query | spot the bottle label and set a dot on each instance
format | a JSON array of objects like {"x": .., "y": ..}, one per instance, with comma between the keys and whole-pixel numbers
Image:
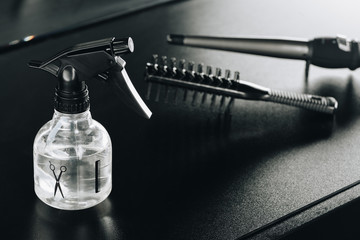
[
  {"x": 72, "y": 182},
  {"x": 57, "y": 178},
  {"x": 97, "y": 176}
]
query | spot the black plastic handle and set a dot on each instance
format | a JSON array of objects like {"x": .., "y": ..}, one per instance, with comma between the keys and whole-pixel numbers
[{"x": 335, "y": 52}]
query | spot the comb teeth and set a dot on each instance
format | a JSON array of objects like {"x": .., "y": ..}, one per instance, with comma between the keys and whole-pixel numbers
[
  {"x": 186, "y": 72},
  {"x": 199, "y": 87}
]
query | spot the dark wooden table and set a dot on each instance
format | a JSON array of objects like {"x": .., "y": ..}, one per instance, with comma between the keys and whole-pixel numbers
[{"x": 179, "y": 175}]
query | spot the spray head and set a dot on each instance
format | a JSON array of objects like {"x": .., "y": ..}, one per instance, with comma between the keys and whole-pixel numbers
[{"x": 92, "y": 60}]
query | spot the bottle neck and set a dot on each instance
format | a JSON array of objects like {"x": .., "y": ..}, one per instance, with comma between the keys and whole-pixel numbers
[
  {"x": 72, "y": 116},
  {"x": 72, "y": 121}
]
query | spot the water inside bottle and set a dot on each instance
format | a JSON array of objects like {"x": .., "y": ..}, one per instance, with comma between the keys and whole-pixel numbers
[{"x": 74, "y": 183}]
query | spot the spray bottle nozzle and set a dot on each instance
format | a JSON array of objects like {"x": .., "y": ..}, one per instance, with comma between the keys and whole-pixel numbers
[
  {"x": 122, "y": 46},
  {"x": 97, "y": 59}
]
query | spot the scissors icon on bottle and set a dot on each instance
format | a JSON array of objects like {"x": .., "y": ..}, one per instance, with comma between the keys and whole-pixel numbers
[{"x": 57, "y": 178}]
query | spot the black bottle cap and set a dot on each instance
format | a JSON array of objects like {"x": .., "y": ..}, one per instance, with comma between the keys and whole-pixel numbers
[{"x": 71, "y": 93}]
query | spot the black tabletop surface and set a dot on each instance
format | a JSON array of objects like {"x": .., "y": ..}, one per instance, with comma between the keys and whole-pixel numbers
[{"x": 185, "y": 173}]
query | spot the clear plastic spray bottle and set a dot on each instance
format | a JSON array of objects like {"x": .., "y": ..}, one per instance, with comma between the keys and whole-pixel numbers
[{"x": 73, "y": 152}]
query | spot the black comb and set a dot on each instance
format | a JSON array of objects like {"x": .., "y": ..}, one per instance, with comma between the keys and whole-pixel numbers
[{"x": 218, "y": 85}]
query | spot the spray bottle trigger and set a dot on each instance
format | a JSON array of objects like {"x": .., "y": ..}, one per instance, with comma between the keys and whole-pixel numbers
[
  {"x": 100, "y": 60},
  {"x": 119, "y": 78}
]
